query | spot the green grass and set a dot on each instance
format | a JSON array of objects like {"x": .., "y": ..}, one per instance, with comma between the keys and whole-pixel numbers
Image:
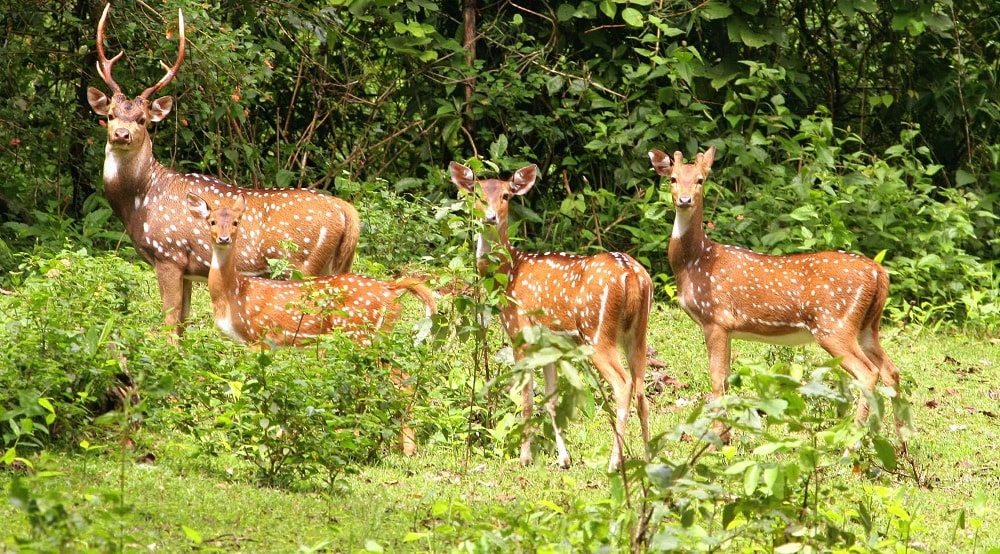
[{"x": 450, "y": 492}]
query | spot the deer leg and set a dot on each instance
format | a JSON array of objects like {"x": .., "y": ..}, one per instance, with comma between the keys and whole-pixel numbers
[
  {"x": 186, "y": 300},
  {"x": 873, "y": 350},
  {"x": 527, "y": 408},
  {"x": 170, "y": 279},
  {"x": 856, "y": 362},
  {"x": 407, "y": 437},
  {"x": 719, "y": 346},
  {"x": 637, "y": 367},
  {"x": 551, "y": 403},
  {"x": 610, "y": 367},
  {"x": 888, "y": 372}
]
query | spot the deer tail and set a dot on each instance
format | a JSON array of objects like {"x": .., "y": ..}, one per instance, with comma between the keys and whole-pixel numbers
[
  {"x": 421, "y": 291},
  {"x": 874, "y": 314},
  {"x": 638, "y": 300},
  {"x": 348, "y": 244}
]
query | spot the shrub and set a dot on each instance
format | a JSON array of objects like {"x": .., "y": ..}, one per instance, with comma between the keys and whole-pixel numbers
[
  {"x": 70, "y": 327},
  {"x": 309, "y": 415}
]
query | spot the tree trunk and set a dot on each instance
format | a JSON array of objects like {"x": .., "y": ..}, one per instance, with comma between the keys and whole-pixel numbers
[{"x": 470, "y": 58}]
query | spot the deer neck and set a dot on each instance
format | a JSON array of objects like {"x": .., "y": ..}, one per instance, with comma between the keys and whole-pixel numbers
[
  {"x": 224, "y": 286},
  {"x": 129, "y": 175},
  {"x": 688, "y": 241}
]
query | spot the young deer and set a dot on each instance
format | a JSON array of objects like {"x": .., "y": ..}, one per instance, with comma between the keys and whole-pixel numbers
[
  {"x": 150, "y": 200},
  {"x": 832, "y": 298},
  {"x": 602, "y": 300},
  {"x": 289, "y": 313}
]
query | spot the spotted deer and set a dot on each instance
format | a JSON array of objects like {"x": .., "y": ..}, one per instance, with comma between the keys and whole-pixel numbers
[
  {"x": 272, "y": 312},
  {"x": 601, "y": 300},
  {"x": 150, "y": 200},
  {"x": 832, "y": 298}
]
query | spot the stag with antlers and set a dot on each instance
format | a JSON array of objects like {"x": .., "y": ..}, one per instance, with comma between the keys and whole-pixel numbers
[{"x": 151, "y": 201}]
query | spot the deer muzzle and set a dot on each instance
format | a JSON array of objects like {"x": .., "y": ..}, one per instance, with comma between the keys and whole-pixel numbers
[{"x": 121, "y": 136}]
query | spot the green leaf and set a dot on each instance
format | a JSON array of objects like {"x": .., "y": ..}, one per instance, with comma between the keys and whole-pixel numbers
[
  {"x": 804, "y": 213},
  {"x": 660, "y": 475},
  {"x": 886, "y": 452},
  {"x": 963, "y": 178},
  {"x": 750, "y": 479},
  {"x": 608, "y": 8},
  {"x": 283, "y": 178},
  {"x": 774, "y": 407},
  {"x": 715, "y": 10},
  {"x": 632, "y": 17},
  {"x": 739, "y": 467},
  {"x": 45, "y": 403},
  {"x": 555, "y": 84},
  {"x": 772, "y": 474},
  {"x": 413, "y": 536},
  {"x": 543, "y": 356},
  {"x": 499, "y": 147},
  {"x": 551, "y": 506},
  {"x": 195, "y": 536}
]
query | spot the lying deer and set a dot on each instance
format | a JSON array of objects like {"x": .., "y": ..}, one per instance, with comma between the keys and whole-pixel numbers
[
  {"x": 832, "y": 298},
  {"x": 289, "y": 313},
  {"x": 601, "y": 300},
  {"x": 150, "y": 199}
]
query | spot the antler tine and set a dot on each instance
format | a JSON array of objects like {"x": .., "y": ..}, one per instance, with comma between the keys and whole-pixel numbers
[
  {"x": 171, "y": 71},
  {"x": 104, "y": 65},
  {"x": 678, "y": 158}
]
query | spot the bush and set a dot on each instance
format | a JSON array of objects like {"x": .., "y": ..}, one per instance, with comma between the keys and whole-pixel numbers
[
  {"x": 304, "y": 417},
  {"x": 70, "y": 328}
]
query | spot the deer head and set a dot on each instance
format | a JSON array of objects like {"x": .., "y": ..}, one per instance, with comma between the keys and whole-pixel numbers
[
  {"x": 493, "y": 202},
  {"x": 129, "y": 120}
]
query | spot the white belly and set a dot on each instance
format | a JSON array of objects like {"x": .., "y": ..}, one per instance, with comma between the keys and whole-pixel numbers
[{"x": 797, "y": 338}]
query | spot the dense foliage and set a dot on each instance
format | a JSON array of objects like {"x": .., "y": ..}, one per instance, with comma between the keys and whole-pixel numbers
[{"x": 861, "y": 124}]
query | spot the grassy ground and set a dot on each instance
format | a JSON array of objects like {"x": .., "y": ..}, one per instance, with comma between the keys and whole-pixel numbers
[{"x": 182, "y": 500}]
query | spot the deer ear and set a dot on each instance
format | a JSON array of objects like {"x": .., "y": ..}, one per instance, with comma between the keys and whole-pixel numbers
[
  {"x": 523, "y": 179},
  {"x": 198, "y": 206},
  {"x": 661, "y": 161},
  {"x": 99, "y": 101},
  {"x": 708, "y": 158},
  {"x": 240, "y": 205},
  {"x": 463, "y": 177},
  {"x": 161, "y": 107}
]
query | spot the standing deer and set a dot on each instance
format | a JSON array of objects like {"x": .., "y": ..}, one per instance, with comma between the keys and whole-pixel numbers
[
  {"x": 601, "y": 300},
  {"x": 150, "y": 200},
  {"x": 289, "y": 313},
  {"x": 832, "y": 298}
]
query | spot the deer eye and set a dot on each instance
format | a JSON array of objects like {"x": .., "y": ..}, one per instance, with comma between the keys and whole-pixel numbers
[
  {"x": 505, "y": 196},
  {"x": 212, "y": 223},
  {"x": 701, "y": 180},
  {"x": 236, "y": 224},
  {"x": 142, "y": 121},
  {"x": 673, "y": 180}
]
